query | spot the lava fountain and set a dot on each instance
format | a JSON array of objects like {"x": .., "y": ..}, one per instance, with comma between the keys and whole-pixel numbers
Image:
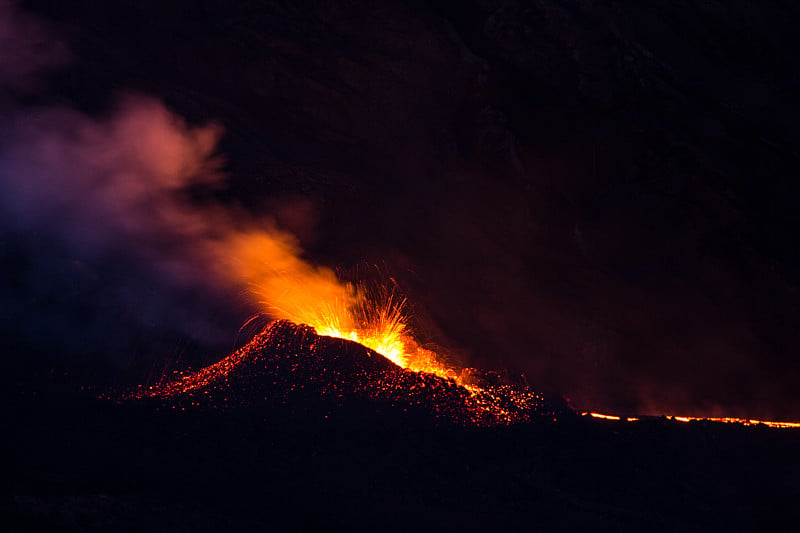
[
  {"x": 290, "y": 288},
  {"x": 341, "y": 341}
]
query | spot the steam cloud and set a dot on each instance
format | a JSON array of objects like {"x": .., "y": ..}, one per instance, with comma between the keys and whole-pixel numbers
[{"x": 98, "y": 218}]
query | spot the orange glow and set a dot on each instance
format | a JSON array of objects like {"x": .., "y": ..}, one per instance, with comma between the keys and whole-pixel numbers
[
  {"x": 743, "y": 421},
  {"x": 604, "y": 417},
  {"x": 725, "y": 420},
  {"x": 289, "y": 288}
]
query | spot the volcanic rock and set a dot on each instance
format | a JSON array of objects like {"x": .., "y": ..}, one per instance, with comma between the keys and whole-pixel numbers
[{"x": 291, "y": 365}]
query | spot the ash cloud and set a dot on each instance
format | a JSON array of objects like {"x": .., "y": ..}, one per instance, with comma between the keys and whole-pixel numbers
[
  {"x": 102, "y": 200},
  {"x": 106, "y": 250}
]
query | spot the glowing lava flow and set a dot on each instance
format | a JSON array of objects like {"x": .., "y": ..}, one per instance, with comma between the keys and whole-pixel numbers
[{"x": 725, "y": 420}]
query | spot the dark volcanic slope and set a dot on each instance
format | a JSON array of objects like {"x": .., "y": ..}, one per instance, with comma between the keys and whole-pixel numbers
[{"x": 291, "y": 365}]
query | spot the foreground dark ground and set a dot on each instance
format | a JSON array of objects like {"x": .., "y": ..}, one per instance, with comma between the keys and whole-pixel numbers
[{"x": 89, "y": 465}]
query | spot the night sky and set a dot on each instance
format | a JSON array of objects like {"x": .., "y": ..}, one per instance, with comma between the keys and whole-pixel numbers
[{"x": 601, "y": 196}]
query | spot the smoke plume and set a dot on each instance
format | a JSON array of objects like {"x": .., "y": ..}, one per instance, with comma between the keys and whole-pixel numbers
[{"x": 104, "y": 240}]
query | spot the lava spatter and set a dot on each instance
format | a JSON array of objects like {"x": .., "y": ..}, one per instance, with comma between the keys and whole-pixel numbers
[{"x": 289, "y": 364}]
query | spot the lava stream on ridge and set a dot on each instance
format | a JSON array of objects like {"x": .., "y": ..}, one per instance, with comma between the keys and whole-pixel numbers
[{"x": 289, "y": 364}]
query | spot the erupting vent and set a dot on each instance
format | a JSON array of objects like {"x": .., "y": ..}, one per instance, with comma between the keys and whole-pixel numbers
[{"x": 291, "y": 364}]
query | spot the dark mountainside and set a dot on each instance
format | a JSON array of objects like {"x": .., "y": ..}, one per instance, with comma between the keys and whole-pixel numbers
[{"x": 599, "y": 195}]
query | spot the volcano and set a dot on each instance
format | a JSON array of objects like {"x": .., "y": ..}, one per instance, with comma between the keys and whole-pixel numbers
[{"x": 291, "y": 365}]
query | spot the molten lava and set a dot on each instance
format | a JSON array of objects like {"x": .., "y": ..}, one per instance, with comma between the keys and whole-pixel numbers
[
  {"x": 291, "y": 289},
  {"x": 725, "y": 420}
]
